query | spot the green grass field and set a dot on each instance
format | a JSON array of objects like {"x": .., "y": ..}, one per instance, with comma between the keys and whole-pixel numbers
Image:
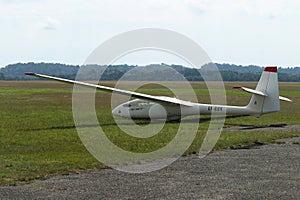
[{"x": 38, "y": 138}]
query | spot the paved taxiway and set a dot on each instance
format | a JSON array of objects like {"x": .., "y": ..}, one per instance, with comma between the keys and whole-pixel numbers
[{"x": 261, "y": 172}]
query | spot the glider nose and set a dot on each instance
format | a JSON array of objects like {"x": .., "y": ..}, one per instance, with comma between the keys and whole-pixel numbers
[
  {"x": 117, "y": 111},
  {"x": 114, "y": 111}
]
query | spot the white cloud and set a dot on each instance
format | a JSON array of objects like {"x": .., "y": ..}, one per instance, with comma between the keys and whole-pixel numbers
[
  {"x": 48, "y": 24},
  {"x": 256, "y": 7},
  {"x": 225, "y": 27}
]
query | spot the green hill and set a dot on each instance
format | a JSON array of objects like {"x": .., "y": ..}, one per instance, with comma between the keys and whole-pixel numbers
[{"x": 154, "y": 72}]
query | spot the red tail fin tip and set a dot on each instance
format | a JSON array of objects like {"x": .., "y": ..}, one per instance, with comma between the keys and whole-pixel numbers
[{"x": 271, "y": 69}]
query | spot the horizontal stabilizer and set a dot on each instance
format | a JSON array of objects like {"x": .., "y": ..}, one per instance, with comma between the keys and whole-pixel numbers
[
  {"x": 260, "y": 93},
  {"x": 285, "y": 99},
  {"x": 251, "y": 91}
]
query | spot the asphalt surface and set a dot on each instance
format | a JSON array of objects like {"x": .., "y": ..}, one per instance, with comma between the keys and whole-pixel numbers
[{"x": 260, "y": 172}]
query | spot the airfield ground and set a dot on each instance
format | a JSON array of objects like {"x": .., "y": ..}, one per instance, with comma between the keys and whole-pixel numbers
[
  {"x": 38, "y": 139},
  {"x": 260, "y": 172}
]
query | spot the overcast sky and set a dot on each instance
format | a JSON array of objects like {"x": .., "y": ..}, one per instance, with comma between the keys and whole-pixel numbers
[{"x": 263, "y": 32}]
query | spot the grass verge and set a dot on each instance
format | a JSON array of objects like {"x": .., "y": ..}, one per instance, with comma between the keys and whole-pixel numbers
[{"x": 38, "y": 138}]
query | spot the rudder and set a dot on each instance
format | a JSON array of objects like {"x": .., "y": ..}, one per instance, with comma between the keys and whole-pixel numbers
[{"x": 267, "y": 84}]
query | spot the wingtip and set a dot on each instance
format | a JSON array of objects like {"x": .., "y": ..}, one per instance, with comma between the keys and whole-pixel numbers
[
  {"x": 29, "y": 73},
  {"x": 237, "y": 87}
]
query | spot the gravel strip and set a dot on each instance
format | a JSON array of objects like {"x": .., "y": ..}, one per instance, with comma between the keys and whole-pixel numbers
[{"x": 261, "y": 172}]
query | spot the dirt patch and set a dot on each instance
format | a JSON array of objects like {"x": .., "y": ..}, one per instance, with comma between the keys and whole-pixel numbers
[
  {"x": 294, "y": 140},
  {"x": 272, "y": 127}
]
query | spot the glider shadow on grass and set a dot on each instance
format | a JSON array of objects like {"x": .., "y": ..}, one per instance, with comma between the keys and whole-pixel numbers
[{"x": 138, "y": 122}]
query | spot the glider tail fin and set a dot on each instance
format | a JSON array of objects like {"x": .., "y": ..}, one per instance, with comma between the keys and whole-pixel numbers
[{"x": 267, "y": 100}]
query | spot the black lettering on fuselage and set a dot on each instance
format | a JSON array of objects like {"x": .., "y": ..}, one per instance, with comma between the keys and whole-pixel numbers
[{"x": 218, "y": 108}]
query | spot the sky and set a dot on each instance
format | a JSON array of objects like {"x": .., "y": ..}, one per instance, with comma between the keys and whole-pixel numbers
[{"x": 260, "y": 32}]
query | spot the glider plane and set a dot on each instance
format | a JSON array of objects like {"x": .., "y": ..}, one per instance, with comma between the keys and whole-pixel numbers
[{"x": 265, "y": 99}]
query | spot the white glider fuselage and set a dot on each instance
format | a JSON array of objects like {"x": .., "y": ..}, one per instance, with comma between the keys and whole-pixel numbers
[
  {"x": 265, "y": 99},
  {"x": 135, "y": 110}
]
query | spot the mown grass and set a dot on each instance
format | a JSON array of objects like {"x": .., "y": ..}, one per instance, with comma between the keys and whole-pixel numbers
[{"x": 38, "y": 138}]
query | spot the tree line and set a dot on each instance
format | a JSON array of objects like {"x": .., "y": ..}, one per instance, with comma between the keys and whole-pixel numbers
[{"x": 153, "y": 72}]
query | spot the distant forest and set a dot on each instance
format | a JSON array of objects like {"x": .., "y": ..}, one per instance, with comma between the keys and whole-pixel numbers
[{"x": 154, "y": 72}]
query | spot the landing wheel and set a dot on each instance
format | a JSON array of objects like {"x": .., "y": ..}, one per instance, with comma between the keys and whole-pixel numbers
[{"x": 174, "y": 120}]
